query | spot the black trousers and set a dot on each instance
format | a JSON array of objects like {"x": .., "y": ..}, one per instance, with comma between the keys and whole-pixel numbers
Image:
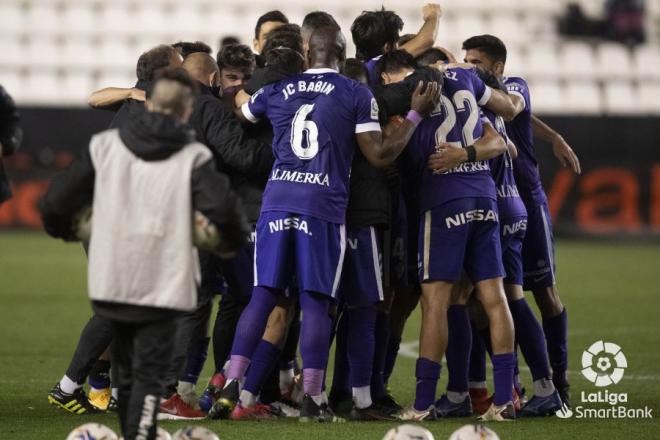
[
  {"x": 192, "y": 325},
  {"x": 95, "y": 338},
  {"x": 142, "y": 352},
  {"x": 224, "y": 329}
]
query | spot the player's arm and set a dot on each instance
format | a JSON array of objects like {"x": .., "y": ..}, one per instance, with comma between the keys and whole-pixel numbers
[
  {"x": 449, "y": 156},
  {"x": 505, "y": 105},
  {"x": 212, "y": 196},
  {"x": 69, "y": 192},
  {"x": 428, "y": 32},
  {"x": 226, "y": 137},
  {"x": 111, "y": 97},
  {"x": 513, "y": 151},
  {"x": 562, "y": 151},
  {"x": 381, "y": 152}
]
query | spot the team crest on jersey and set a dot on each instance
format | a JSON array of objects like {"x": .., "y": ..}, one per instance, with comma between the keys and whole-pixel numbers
[{"x": 374, "y": 109}]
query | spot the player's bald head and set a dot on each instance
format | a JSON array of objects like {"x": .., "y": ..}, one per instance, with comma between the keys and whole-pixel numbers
[
  {"x": 201, "y": 67},
  {"x": 327, "y": 46}
]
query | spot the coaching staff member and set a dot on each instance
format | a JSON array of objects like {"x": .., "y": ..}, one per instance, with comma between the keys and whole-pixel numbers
[
  {"x": 10, "y": 138},
  {"x": 144, "y": 180}
]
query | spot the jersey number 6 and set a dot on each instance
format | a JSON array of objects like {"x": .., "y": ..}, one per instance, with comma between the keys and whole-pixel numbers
[{"x": 303, "y": 130}]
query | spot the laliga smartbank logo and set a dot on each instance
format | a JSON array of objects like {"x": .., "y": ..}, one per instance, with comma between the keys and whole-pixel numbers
[{"x": 604, "y": 365}]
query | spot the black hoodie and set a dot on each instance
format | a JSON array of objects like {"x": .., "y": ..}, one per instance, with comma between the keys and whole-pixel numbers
[{"x": 151, "y": 137}]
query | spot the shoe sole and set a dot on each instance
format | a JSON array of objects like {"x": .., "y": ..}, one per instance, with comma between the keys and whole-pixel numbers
[
  {"x": 72, "y": 407},
  {"x": 167, "y": 416}
]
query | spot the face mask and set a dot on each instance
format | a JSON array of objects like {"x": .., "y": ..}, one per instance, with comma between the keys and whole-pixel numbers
[{"x": 231, "y": 91}]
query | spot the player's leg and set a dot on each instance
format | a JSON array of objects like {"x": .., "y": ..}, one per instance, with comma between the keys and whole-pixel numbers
[
  {"x": 270, "y": 281},
  {"x": 100, "y": 394},
  {"x": 456, "y": 402},
  {"x": 95, "y": 338},
  {"x": 483, "y": 264},
  {"x": 289, "y": 383},
  {"x": 263, "y": 363},
  {"x": 152, "y": 351},
  {"x": 539, "y": 277},
  {"x": 477, "y": 370},
  {"x": 404, "y": 302},
  {"x": 340, "y": 398},
  {"x": 121, "y": 356}
]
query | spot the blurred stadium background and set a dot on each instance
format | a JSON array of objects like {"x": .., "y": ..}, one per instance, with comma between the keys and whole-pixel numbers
[{"x": 593, "y": 67}]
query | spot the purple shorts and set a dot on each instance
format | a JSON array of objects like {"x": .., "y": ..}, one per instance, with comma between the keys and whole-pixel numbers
[
  {"x": 538, "y": 252},
  {"x": 512, "y": 235},
  {"x": 238, "y": 272},
  {"x": 289, "y": 244},
  {"x": 361, "y": 283},
  {"x": 460, "y": 235}
]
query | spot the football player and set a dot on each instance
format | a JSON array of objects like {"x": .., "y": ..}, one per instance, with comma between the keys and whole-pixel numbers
[{"x": 489, "y": 53}]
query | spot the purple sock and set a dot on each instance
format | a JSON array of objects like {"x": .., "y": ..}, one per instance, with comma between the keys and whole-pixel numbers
[
  {"x": 361, "y": 324},
  {"x": 250, "y": 329},
  {"x": 458, "y": 348},
  {"x": 340, "y": 385},
  {"x": 529, "y": 335},
  {"x": 314, "y": 339},
  {"x": 503, "y": 365},
  {"x": 556, "y": 336},
  {"x": 381, "y": 335},
  {"x": 263, "y": 361},
  {"x": 427, "y": 373},
  {"x": 393, "y": 344},
  {"x": 197, "y": 354},
  {"x": 477, "y": 371},
  {"x": 313, "y": 381}
]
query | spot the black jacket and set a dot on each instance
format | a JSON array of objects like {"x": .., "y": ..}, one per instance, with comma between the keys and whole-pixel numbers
[
  {"x": 130, "y": 108},
  {"x": 151, "y": 137},
  {"x": 10, "y": 138},
  {"x": 217, "y": 127}
]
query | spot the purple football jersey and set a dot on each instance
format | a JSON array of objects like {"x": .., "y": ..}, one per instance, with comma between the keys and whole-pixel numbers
[
  {"x": 457, "y": 121},
  {"x": 315, "y": 117},
  {"x": 509, "y": 203},
  {"x": 520, "y": 132}
]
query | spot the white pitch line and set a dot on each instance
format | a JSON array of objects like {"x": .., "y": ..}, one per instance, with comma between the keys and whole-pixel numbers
[{"x": 409, "y": 349}]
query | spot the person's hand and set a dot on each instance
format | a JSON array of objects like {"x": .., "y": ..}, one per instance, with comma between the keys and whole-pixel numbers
[
  {"x": 446, "y": 157},
  {"x": 565, "y": 154},
  {"x": 138, "y": 95},
  {"x": 424, "y": 102},
  {"x": 241, "y": 98},
  {"x": 431, "y": 10}
]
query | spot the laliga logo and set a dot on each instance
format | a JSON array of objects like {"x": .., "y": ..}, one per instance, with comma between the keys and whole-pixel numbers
[{"x": 603, "y": 364}]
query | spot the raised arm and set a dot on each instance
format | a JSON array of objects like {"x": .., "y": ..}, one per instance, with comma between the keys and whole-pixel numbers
[
  {"x": 562, "y": 151},
  {"x": 505, "y": 105},
  {"x": 110, "y": 97},
  {"x": 449, "y": 156},
  {"x": 426, "y": 36},
  {"x": 381, "y": 152}
]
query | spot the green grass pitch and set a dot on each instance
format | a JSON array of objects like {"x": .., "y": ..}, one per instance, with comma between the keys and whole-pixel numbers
[{"x": 611, "y": 292}]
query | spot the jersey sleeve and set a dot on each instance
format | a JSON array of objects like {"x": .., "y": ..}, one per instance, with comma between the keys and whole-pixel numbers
[
  {"x": 366, "y": 110},
  {"x": 481, "y": 91},
  {"x": 518, "y": 87},
  {"x": 256, "y": 107}
]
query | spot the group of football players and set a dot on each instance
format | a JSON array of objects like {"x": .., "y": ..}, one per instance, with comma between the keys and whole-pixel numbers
[{"x": 374, "y": 183}]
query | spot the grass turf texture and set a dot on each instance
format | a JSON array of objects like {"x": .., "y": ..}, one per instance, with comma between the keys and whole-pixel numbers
[{"x": 610, "y": 291}]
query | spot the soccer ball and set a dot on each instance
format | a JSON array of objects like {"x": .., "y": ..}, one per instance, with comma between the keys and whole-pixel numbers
[
  {"x": 474, "y": 432},
  {"x": 92, "y": 431},
  {"x": 408, "y": 432},
  {"x": 195, "y": 433},
  {"x": 82, "y": 224},
  {"x": 205, "y": 234}
]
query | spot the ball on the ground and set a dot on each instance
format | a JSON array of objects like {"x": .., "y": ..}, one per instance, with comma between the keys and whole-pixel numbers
[
  {"x": 408, "y": 432},
  {"x": 474, "y": 432},
  {"x": 195, "y": 433},
  {"x": 205, "y": 234},
  {"x": 92, "y": 431}
]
